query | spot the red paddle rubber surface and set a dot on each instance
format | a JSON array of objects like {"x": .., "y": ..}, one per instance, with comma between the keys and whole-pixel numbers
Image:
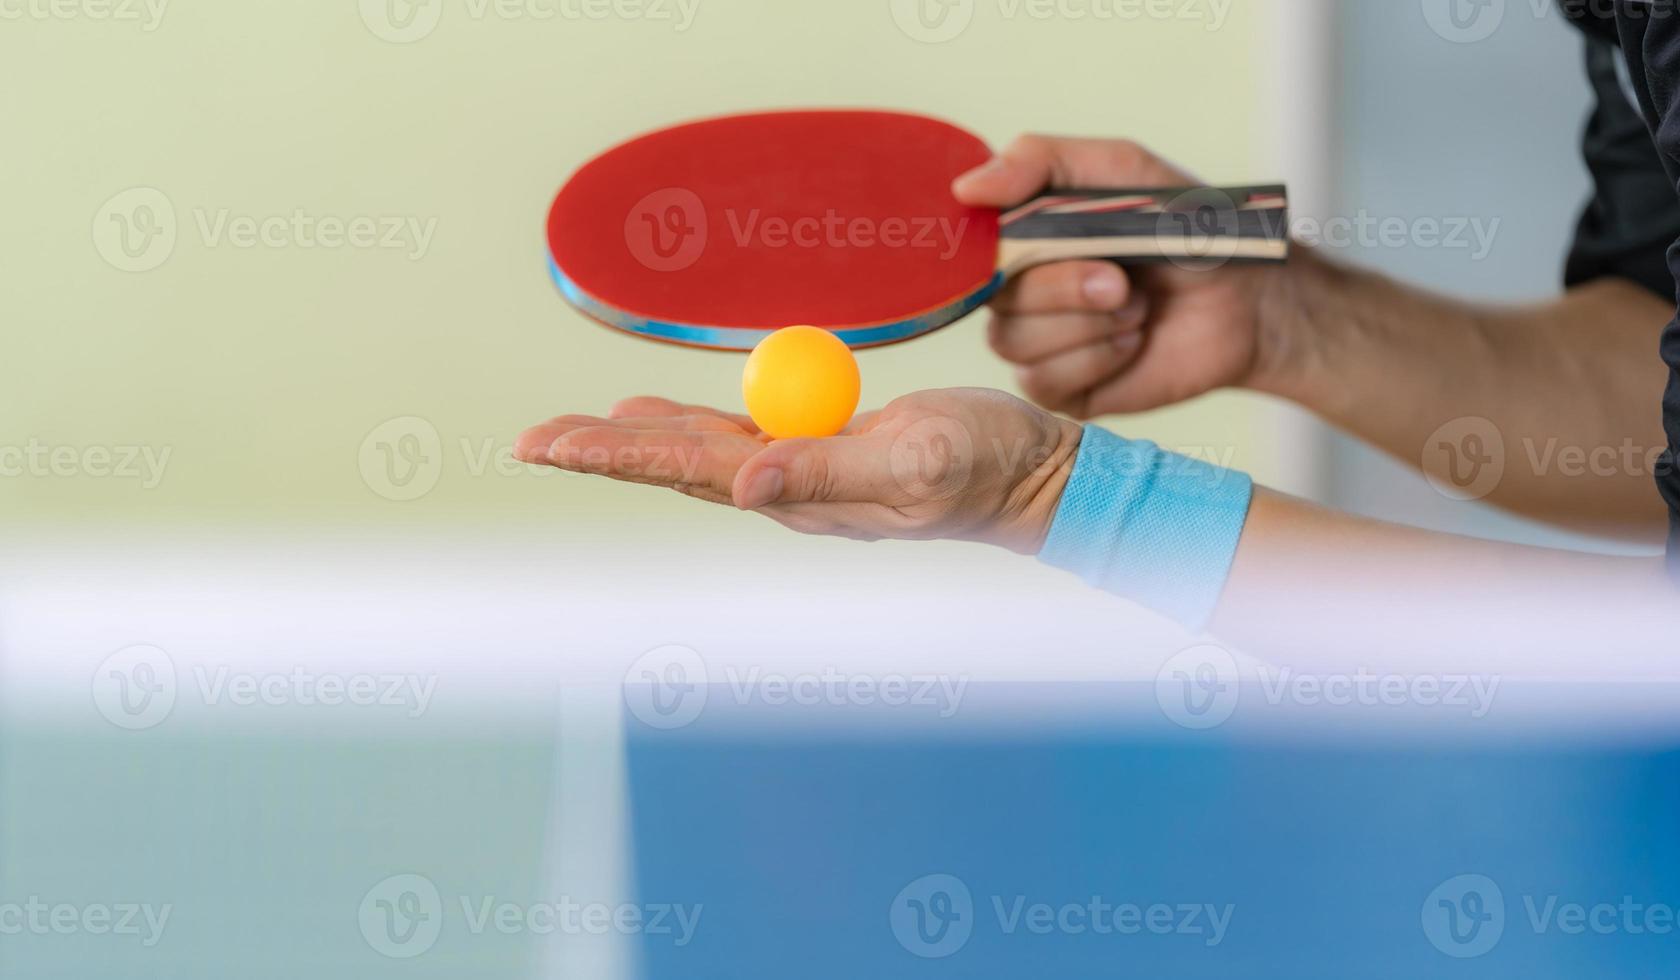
[{"x": 835, "y": 218}]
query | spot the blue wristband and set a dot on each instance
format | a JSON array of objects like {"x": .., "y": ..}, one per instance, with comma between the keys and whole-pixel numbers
[{"x": 1152, "y": 526}]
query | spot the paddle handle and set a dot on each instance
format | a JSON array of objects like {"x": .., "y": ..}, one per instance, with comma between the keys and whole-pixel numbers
[{"x": 1196, "y": 226}]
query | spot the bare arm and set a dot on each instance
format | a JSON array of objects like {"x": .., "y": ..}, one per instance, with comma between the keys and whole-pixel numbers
[
  {"x": 1569, "y": 390},
  {"x": 1307, "y": 581}
]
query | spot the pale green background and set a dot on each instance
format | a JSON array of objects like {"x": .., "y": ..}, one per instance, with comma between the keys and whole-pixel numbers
[{"x": 263, "y": 370}]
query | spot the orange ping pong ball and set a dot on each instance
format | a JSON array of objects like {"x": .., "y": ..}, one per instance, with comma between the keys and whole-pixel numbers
[{"x": 801, "y": 383}]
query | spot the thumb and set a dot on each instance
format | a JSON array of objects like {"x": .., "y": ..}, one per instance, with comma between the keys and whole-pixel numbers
[
  {"x": 845, "y": 469},
  {"x": 1034, "y": 162}
]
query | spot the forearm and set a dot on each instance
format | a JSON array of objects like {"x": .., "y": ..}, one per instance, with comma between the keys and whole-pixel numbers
[
  {"x": 1307, "y": 582},
  {"x": 1569, "y": 389},
  {"x": 1294, "y": 583}
]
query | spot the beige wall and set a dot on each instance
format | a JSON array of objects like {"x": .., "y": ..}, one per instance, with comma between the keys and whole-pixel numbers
[{"x": 262, "y": 370}]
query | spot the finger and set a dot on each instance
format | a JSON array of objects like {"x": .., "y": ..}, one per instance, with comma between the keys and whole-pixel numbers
[
  {"x": 862, "y": 423},
  {"x": 534, "y": 444},
  {"x": 694, "y": 423},
  {"x": 694, "y": 462},
  {"x": 697, "y": 463},
  {"x": 1156, "y": 379},
  {"x": 1066, "y": 287},
  {"x": 1026, "y": 340},
  {"x": 1064, "y": 383},
  {"x": 682, "y": 423},
  {"x": 843, "y": 469},
  {"x": 648, "y": 407},
  {"x": 1033, "y": 162},
  {"x": 707, "y": 494}
]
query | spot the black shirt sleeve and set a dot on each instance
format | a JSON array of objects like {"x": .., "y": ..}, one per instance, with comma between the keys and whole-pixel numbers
[
  {"x": 1634, "y": 214},
  {"x": 1650, "y": 40}
]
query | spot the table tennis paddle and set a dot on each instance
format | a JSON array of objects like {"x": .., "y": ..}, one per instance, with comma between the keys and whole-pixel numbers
[{"x": 717, "y": 233}]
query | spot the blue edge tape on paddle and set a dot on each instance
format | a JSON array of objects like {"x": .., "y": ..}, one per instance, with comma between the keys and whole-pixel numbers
[
  {"x": 739, "y": 338},
  {"x": 1151, "y": 526}
]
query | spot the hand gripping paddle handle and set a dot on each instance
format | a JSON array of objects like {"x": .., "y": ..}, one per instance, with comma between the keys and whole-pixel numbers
[{"x": 1199, "y": 227}]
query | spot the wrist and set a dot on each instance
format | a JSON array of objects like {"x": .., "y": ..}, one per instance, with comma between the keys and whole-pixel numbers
[
  {"x": 1027, "y": 528},
  {"x": 1290, "y": 344},
  {"x": 1149, "y": 525}
]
